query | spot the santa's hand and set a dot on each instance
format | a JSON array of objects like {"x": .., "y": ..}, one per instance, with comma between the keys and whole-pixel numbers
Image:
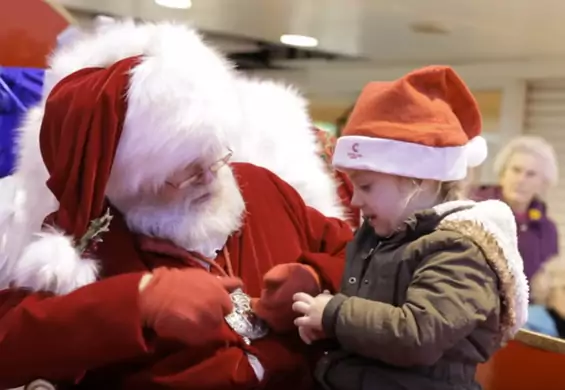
[
  {"x": 188, "y": 305},
  {"x": 312, "y": 309},
  {"x": 280, "y": 284}
]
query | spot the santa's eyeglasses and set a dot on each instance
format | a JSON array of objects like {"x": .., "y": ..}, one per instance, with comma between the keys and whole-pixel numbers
[{"x": 199, "y": 176}]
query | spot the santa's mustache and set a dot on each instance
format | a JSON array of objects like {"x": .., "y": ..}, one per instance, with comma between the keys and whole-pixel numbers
[{"x": 203, "y": 195}]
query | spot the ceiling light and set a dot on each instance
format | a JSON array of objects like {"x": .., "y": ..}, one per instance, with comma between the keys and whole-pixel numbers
[
  {"x": 299, "y": 40},
  {"x": 177, "y": 4}
]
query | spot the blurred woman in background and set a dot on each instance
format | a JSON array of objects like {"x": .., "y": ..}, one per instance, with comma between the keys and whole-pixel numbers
[
  {"x": 527, "y": 168},
  {"x": 547, "y": 313}
]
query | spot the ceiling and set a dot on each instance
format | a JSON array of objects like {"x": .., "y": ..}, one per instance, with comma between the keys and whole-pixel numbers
[{"x": 478, "y": 30}]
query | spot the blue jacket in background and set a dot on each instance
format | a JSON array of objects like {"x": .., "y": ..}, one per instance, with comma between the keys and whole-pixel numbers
[
  {"x": 539, "y": 320},
  {"x": 20, "y": 89}
]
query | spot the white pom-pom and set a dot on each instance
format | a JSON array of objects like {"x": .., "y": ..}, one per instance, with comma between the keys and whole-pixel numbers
[
  {"x": 51, "y": 263},
  {"x": 477, "y": 151}
]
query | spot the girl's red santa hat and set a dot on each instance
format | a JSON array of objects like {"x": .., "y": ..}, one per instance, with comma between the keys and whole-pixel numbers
[{"x": 425, "y": 125}]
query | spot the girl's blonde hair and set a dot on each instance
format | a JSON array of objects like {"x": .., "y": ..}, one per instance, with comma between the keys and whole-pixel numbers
[
  {"x": 451, "y": 190},
  {"x": 444, "y": 192},
  {"x": 550, "y": 276}
]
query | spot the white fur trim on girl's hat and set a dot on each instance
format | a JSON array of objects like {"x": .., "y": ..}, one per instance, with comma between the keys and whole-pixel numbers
[
  {"x": 477, "y": 151},
  {"x": 409, "y": 159},
  {"x": 401, "y": 158}
]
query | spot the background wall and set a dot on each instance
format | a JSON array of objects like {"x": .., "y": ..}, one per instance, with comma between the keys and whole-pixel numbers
[{"x": 544, "y": 115}]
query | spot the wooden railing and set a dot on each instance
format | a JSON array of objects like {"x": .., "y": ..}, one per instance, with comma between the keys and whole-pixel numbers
[{"x": 530, "y": 361}]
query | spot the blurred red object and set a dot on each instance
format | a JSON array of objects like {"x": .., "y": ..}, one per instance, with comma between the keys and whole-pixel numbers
[
  {"x": 532, "y": 361},
  {"x": 29, "y": 30}
]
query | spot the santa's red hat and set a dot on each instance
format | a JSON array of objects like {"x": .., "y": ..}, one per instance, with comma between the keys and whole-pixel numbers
[
  {"x": 425, "y": 125},
  {"x": 132, "y": 104}
]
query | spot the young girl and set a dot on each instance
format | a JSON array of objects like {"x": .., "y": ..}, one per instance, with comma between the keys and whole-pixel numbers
[{"x": 433, "y": 285}]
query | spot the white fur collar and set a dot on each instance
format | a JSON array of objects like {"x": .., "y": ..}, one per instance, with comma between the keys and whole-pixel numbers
[{"x": 496, "y": 219}]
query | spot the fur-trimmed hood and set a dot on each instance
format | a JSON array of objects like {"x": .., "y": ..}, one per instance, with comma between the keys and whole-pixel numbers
[{"x": 491, "y": 226}]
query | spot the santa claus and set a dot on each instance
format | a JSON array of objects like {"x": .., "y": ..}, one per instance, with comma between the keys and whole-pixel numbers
[
  {"x": 270, "y": 128},
  {"x": 163, "y": 265}
]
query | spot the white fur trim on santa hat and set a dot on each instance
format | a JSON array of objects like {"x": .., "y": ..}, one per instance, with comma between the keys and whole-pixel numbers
[
  {"x": 100, "y": 48},
  {"x": 277, "y": 134},
  {"x": 51, "y": 263},
  {"x": 402, "y": 158},
  {"x": 26, "y": 200}
]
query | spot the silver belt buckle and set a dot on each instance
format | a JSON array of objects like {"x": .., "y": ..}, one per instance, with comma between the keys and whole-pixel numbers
[{"x": 242, "y": 319}]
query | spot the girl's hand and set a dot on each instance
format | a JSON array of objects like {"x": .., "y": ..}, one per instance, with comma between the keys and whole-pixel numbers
[
  {"x": 309, "y": 335},
  {"x": 312, "y": 310}
]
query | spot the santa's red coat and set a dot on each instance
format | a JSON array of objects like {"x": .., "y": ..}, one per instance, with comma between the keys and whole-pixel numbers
[{"x": 93, "y": 337}]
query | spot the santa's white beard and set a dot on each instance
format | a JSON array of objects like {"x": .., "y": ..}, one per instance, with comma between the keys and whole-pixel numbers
[{"x": 200, "y": 227}]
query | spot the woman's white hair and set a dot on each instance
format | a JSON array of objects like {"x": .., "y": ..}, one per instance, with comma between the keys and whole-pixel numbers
[
  {"x": 536, "y": 146},
  {"x": 550, "y": 276}
]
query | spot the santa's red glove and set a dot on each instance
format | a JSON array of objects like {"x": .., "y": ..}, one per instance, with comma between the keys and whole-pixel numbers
[
  {"x": 279, "y": 285},
  {"x": 188, "y": 305}
]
